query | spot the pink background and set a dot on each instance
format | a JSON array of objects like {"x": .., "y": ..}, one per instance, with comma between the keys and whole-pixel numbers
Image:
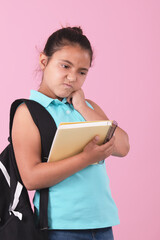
[{"x": 124, "y": 81}]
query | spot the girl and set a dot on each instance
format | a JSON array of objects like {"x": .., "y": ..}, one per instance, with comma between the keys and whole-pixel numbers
[{"x": 80, "y": 202}]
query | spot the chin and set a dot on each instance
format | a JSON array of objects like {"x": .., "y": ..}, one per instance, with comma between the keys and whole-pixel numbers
[{"x": 61, "y": 96}]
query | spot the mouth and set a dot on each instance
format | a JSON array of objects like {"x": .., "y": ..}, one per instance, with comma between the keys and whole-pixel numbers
[{"x": 67, "y": 85}]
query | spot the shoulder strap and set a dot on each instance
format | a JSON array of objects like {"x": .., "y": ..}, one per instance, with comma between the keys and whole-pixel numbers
[{"x": 47, "y": 128}]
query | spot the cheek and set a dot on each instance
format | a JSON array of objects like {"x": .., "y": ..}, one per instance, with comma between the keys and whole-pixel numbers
[
  {"x": 54, "y": 76},
  {"x": 60, "y": 76},
  {"x": 81, "y": 81},
  {"x": 78, "y": 85}
]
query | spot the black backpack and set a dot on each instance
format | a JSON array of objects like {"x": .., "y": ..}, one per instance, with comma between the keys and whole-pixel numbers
[{"x": 17, "y": 220}]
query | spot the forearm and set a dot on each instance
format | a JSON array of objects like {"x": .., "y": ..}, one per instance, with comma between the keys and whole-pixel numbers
[
  {"x": 121, "y": 146},
  {"x": 48, "y": 174},
  {"x": 89, "y": 114}
]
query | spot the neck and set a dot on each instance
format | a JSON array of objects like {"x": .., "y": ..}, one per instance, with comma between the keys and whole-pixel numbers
[{"x": 48, "y": 93}]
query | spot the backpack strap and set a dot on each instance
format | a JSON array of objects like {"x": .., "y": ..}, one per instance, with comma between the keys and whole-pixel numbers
[{"x": 47, "y": 128}]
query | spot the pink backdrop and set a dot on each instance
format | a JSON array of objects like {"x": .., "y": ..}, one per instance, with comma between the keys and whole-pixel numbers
[{"x": 124, "y": 81}]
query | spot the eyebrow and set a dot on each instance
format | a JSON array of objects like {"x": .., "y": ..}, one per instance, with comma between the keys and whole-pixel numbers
[{"x": 86, "y": 69}]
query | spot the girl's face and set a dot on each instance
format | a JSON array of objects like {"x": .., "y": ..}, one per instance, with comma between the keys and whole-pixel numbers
[{"x": 65, "y": 72}]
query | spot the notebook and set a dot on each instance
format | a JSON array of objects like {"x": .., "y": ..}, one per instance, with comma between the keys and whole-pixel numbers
[{"x": 72, "y": 137}]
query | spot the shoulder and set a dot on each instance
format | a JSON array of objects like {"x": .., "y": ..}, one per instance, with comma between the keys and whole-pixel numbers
[
  {"x": 22, "y": 121},
  {"x": 22, "y": 114},
  {"x": 21, "y": 109},
  {"x": 97, "y": 108}
]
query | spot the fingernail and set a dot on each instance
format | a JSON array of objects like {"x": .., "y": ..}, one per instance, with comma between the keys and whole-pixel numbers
[{"x": 97, "y": 138}]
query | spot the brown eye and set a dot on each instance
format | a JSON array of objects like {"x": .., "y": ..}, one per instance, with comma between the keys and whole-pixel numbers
[
  {"x": 82, "y": 73},
  {"x": 64, "y": 66}
]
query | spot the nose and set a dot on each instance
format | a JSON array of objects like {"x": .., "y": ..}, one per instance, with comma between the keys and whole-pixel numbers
[{"x": 71, "y": 77}]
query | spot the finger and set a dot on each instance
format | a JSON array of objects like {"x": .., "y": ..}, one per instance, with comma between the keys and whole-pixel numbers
[
  {"x": 107, "y": 144},
  {"x": 92, "y": 143},
  {"x": 69, "y": 99},
  {"x": 111, "y": 140},
  {"x": 109, "y": 151},
  {"x": 95, "y": 140}
]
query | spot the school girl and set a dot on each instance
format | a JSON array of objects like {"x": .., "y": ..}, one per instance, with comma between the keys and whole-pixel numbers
[{"x": 80, "y": 204}]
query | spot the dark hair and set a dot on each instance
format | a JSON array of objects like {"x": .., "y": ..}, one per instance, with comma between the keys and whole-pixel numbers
[{"x": 67, "y": 36}]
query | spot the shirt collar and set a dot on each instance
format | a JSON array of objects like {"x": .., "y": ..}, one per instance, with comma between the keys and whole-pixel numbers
[{"x": 45, "y": 100}]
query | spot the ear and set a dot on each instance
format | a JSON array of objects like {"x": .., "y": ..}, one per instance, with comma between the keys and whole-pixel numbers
[{"x": 43, "y": 59}]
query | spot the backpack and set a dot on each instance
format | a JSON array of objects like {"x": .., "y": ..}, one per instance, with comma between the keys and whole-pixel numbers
[{"x": 17, "y": 219}]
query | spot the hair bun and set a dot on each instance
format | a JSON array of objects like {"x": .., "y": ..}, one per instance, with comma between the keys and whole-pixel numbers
[{"x": 78, "y": 30}]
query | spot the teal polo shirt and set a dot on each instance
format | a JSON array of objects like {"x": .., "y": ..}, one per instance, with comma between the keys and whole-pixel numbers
[{"x": 83, "y": 200}]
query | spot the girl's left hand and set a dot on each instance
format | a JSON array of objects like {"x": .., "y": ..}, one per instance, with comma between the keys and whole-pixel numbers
[{"x": 77, "y": 98}]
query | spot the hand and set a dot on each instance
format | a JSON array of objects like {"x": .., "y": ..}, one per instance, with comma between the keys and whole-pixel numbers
[
  {"x": 77, "y": 98},
  {"x": 96, "y": 153}
]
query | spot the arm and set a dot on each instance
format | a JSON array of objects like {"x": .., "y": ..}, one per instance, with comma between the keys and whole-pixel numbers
[
  {"x": 121, "y": 146},
  {"x": 27, "y": 148}
]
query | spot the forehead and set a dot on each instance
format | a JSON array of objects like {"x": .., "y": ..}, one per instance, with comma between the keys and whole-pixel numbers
[{"x": 75, "y": 54}]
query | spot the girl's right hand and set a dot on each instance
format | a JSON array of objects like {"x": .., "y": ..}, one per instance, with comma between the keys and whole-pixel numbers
[{"x": 96, "y": 153}]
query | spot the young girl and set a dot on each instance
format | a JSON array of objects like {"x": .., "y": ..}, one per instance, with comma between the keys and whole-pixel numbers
[{"x": 80, "y": 203}]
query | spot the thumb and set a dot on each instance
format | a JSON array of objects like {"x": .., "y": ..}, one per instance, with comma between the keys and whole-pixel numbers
[
  {"x": 95, "y": 139},
  {"x": 91, "y": 144}
]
